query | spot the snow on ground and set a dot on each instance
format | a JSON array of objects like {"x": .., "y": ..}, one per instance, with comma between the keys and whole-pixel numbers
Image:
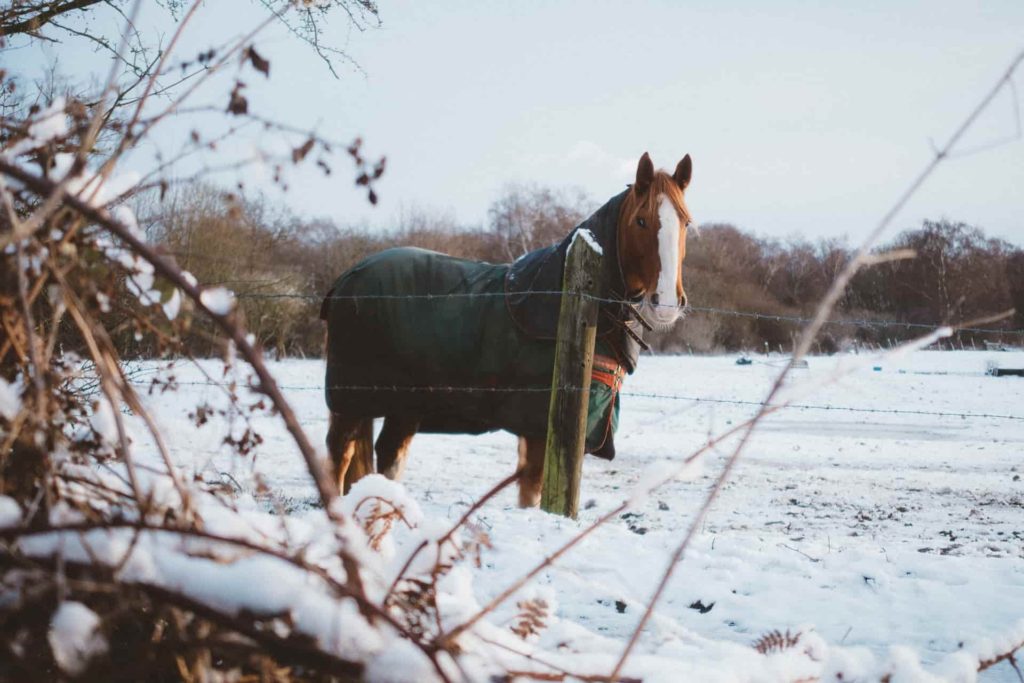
[{"x": 874, "y": 529}]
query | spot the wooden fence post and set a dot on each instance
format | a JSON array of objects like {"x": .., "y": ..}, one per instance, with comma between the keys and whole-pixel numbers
[{"x": 570, "y": 381}]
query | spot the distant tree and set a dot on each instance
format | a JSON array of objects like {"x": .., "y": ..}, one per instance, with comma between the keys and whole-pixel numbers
[
  {"x": 527, "y": 217},
  {"x": 957, "y": 272},
  {"x": 1015, "y": 284}
]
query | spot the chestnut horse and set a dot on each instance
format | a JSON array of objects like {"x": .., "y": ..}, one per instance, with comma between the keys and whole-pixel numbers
[{"x": 437, "y": 344}]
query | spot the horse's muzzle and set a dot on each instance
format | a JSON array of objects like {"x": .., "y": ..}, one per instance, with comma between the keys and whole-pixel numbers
[{"x": 663, "y": 314}]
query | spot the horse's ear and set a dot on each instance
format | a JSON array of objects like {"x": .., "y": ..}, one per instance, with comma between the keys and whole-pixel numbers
[
  {"x": 644, "y": 174},
  {"x": 683, "y": 172}
]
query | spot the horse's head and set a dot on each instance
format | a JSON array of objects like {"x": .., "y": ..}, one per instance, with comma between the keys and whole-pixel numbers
[{"x": 652, "y": 239}]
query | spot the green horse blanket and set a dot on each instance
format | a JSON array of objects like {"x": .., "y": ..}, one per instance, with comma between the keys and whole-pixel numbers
[{"x": 469, "y": 346}]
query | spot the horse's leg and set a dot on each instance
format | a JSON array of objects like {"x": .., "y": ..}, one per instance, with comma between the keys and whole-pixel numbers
[
  {"x": 531, "y": 465},
  {"x": 362, "y": 454},
  {"x": 350, "y": 445},
  {"x": 393, "y": 444}
]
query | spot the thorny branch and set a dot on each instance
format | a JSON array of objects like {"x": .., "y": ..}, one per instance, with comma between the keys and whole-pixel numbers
[
  {"x": 804, "y": 343},
  {"x": 226, "y": 322}
]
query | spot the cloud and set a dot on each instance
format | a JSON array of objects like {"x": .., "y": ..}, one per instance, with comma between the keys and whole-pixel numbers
[{"x": 596, "y": 157}]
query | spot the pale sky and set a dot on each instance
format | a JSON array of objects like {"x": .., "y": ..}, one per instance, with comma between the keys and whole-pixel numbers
[{"x": 801, "y": 117}]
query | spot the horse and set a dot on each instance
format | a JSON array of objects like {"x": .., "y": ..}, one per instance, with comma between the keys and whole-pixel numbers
[{"x": 437, "y": 344}]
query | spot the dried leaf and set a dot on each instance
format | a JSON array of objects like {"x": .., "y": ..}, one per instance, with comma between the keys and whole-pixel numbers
[
  {"x": 238, "y": 104},
  {"x": 259, "y": 63},
  {"x": 378, "y": 168},
  {"x": 299, "y": 153}
]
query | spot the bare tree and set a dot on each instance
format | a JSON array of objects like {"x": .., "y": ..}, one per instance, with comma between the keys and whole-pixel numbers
[{"x": 527, "y": 217}]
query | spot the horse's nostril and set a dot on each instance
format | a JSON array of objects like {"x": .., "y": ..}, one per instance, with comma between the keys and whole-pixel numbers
[{"x": 655, "y": 299}]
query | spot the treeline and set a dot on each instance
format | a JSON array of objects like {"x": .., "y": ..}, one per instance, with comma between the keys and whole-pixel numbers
[{"x": 280, "y": 266}]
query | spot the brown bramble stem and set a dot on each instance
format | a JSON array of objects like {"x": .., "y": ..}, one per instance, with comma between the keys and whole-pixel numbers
[{"x": 226, "y": 322}]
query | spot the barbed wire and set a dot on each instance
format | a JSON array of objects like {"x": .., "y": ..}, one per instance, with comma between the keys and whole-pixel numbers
[
  {"x": 633, "y": 394},
  {"x": 856, "y": 322}
]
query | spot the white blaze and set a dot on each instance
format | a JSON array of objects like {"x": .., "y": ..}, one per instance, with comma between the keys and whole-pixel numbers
[{"x": 668, "y": 252}]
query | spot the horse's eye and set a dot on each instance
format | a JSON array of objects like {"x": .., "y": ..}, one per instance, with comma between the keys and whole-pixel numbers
[{"x": 641, "y": 222}]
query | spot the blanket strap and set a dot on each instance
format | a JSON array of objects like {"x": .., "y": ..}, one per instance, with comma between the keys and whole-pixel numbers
[{"x": 608, "y": 372}]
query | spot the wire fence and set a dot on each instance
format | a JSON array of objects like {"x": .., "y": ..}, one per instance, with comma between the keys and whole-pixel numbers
[
  {"x": 853, "y": 322},
  {"x": 449, "y": 390},
  {"x": 692, "y": 399}
]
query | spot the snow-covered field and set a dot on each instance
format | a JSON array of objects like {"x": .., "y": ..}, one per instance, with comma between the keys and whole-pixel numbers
[{"x": 873, "y": 529}]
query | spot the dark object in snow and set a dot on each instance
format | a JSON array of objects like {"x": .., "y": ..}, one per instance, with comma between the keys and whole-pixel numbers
[
  {"x": 743, "y": 360},
  {"x": 590, "y": 504},
  {"x": 1007, "y": 372},
  {"x": 620, "y": 606},
  {"x": 662, "y": 505},
  {"x": 701, "y": 607},
  {"x": 631, "y": 518}
]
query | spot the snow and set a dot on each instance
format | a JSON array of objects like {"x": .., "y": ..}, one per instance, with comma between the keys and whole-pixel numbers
[
  {"x": 10, "y": 512},
  {"x": 126, "y": 217},
  {"x": 587, "y": 237},
  {"x": 892, "y": 541},
  {"x": 75, "y": 637},
  {"x": 173, "y": 305},
  {"x": 219, "y": 300},
  {"x": 92, "y": 188},
  {"x": 400, "y": 663},
  {"x": 103, "y": 421},
  {"x": 48, "y": 125},
  {"x": 141, "y": 280},
  {"x": 10, "y": 399},
  {"x": 661, "y": 471}
]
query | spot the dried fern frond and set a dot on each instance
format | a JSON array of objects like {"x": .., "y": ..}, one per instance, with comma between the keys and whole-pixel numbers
[
  {"x": 378, "y": 522},
  {"x": 473, "y": 548},
  {"x": 777, "y": 641},
  {"x": 532, "y": 617},
  {"x": 414, "y": 605}
]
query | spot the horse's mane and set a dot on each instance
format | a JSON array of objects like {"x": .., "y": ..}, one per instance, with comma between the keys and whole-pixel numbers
[{"x": 662, "y": 184}]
